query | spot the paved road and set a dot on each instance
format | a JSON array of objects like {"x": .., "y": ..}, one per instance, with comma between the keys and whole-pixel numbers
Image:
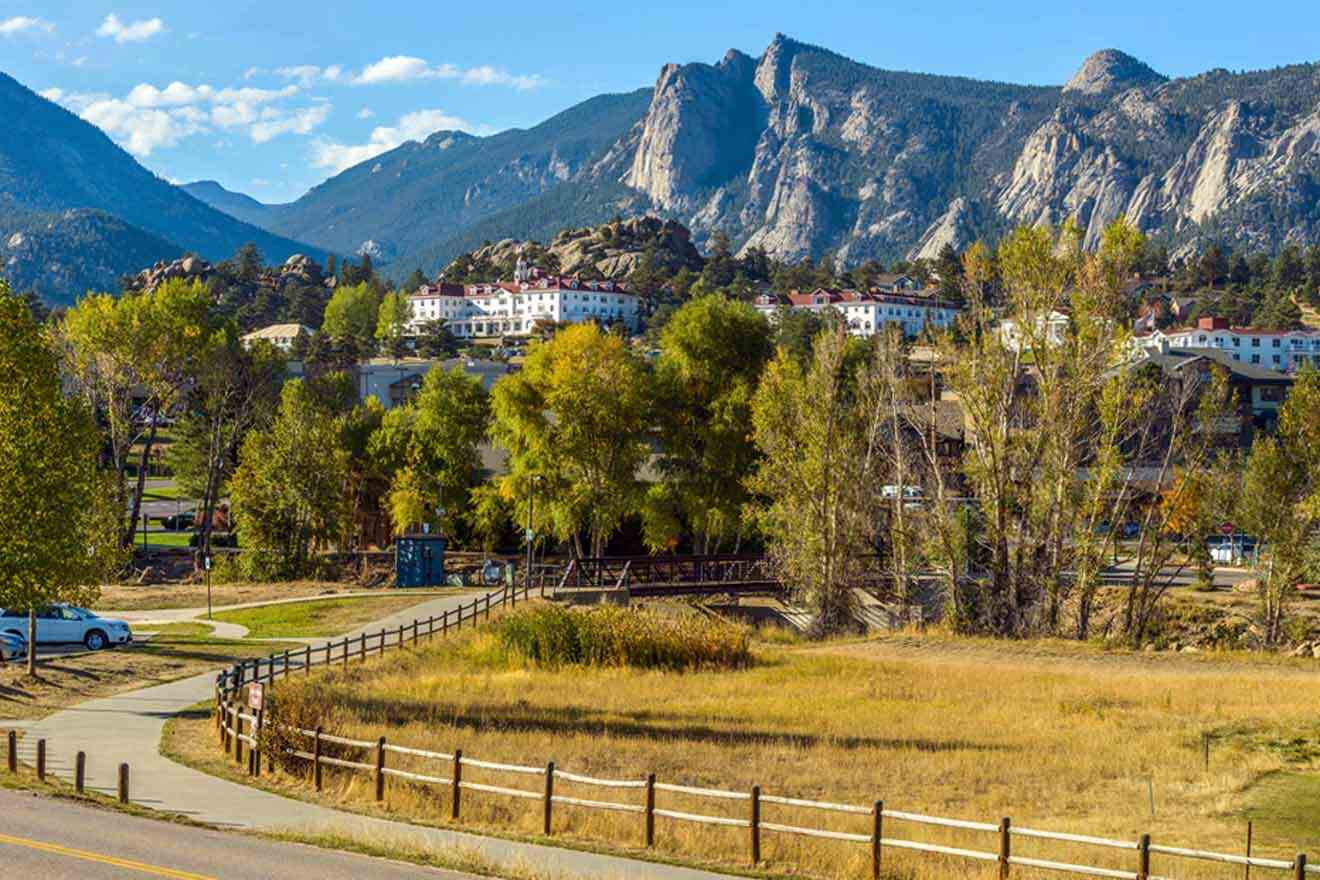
[
  {"x": 44, "y": 837},
  {"x": 127, "y": 728}
]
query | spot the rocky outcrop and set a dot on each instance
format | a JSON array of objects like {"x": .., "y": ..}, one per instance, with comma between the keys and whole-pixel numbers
[
  {"x": 1109, "y": 71},
  {"x": 613, "y": 249},
  {"x": 955, "y": 228},
  {"x": 187, "y": 268},
  {"x": 696, "y": 131}
]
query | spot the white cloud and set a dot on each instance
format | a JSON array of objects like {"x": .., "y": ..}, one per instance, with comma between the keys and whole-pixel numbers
[
  {"x": 22, "y": 24},
  {"x": 491, "y": 76},
  {"x": 141, "y": 131},
  {"x": 135, "y": 32},
  {"x": 396, "y": 68},
  {"x": 149, "y": 117},
  {"x": 414, "y": 126},
  {"x": 366, "y": 113},
  {"x": 299, "y": 122},
  {"x": 305, "y": 74},
  {"x": 403, "y": 68}
]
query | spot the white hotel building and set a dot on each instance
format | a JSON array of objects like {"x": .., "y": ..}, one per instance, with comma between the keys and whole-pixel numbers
[
  {"x": 1282, "y": 350},
  {"x": 516, "y": 308},
  {"x": 867, "y": 313}
]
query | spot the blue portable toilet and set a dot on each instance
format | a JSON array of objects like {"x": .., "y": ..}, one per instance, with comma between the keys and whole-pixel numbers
[{"x": 419, "y": 561}]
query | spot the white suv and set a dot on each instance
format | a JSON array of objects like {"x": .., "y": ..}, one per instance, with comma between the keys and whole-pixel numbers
[{"x": 65, "y": 624}]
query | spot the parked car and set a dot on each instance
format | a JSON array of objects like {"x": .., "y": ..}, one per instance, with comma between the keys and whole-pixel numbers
[
  {"x": 66, "y": 625},
  {"x": 12, "y": 647},
  {"x": 178, "y": 522}
]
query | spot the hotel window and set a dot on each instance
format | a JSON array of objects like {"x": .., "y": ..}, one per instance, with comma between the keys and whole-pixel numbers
[
  {"x": 1276, "y": 344},
  {"x": 1255, "y": 342}
]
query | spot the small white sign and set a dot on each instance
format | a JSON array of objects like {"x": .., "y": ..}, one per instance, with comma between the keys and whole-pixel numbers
[{"x": 256, "y": 696}]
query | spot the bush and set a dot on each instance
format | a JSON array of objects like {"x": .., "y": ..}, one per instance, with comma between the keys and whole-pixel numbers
[{"x": 606, "y": 636}]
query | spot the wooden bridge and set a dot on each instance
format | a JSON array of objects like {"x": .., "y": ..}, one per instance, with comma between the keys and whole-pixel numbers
[{"x": 650, "y": 576}]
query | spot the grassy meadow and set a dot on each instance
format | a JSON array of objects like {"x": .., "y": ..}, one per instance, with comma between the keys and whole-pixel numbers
[{"x": 1055, "y": 736}]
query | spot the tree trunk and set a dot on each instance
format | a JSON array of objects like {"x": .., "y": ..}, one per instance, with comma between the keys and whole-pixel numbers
[
  {"x": 141, "y": 484},
  {"x": 32, "y": 642}
]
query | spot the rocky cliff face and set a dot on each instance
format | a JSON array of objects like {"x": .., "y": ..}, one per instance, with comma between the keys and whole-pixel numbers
[
  {"x": 802, "y": 152},
  {"x": 831, "y": 155}
]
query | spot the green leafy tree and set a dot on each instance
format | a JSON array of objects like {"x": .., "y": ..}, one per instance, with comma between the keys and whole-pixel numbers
[
  {"x": 392, "y": 322},
  {"x": 712, "y": 353},
  {"x": 288, "y": 491},
  {"x": 352, "y": 313},
  {"x": 814, "y": 478},
  {"x": 436, "y": 340},
  {"x": 432, "y": 448},
  {"x": 574, "y": 422},
  {"x": 235, "y": 389},
  {"x": 119, "y": 349},
  {"x": 57, "y": 525}
]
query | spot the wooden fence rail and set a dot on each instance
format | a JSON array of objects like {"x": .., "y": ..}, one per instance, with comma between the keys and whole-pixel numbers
[{"x": 237, "y": 728}]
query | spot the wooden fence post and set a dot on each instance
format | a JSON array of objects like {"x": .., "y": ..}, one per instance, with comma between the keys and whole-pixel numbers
[
  {"x": 380, "y": 769},
  {"x": 286, "y": 664},
  {"x": 444, "y": 624},
  {"x": 1300, "y": 866},
  {"x": 256, "y": 737},
  {"x": 414, "y": 635},
  {"x": 123, "y": 783},
  {"x": 307, "y": 661},
  {"x": 650, "y": 810},
  {"x": 458, "y": 782},
  {"x": 754, "y": 825},
  {"x": 364, "y": 647},
  {"x": 1247, "y": 873},
  {"x": 1005, "y": 846},
  {"x": 877, "y": 826},
  {"x": 11, "y": 754},
  {"x": 1143, "y": 857},
  {"x": 549, "y": 793},
  {"x": 238, "y": 733},
  {"x": 80, "y": 772},
  {"x": 41, "y": 760},
  {"x": 316, "y": 758}
]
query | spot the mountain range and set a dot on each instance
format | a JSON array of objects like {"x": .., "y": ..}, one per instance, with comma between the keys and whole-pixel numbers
[
  {"x": 798, "y": 151},
  {"x": 77, "y": 212}
]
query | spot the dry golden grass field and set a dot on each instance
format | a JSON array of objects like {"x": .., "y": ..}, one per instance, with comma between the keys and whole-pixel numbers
[{"x": 1056, "y": 736}]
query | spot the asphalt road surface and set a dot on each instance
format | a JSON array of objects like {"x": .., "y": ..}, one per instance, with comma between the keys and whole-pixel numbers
[{"x": 43, "y": 838}]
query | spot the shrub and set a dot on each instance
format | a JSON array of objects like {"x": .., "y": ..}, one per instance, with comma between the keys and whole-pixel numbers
[{"x": 606, "y": 636}]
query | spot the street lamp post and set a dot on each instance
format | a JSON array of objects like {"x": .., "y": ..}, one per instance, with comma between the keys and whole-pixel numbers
[{"x": 531, "y": 504}]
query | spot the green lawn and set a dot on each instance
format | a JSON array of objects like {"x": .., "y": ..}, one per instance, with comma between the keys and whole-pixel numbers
[
  {"x": 165, "y": 493},
  {"x": 165, "y": 539},
  {"x": 324, "y": 617}
]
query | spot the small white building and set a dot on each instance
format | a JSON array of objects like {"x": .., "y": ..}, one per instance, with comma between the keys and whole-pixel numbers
[
  {"x": 1280, "y": 350},
  {"x": 1052, "y": 327},
  {"x": 518, "y": 307},
  {"x": 282, "y": 336},
  {"x": 866, "y": 313}
]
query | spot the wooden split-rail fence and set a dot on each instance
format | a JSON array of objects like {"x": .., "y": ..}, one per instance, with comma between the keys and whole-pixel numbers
[{"x": 240, "y": 731}]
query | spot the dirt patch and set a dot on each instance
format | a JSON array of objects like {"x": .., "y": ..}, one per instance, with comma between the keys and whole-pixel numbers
[{"x": 61, "y": 682}]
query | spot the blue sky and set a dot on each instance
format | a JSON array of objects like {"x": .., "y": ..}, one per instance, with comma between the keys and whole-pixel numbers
[{"x": 272, "y": 97}]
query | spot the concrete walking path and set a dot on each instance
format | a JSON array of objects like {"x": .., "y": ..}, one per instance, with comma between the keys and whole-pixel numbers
[{"x": 127, "y": 728}]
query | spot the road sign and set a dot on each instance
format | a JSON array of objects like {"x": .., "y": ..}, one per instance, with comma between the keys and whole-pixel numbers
[
  {"x": 206, "y": 563},
  {"x": 256, "y": 696}
]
